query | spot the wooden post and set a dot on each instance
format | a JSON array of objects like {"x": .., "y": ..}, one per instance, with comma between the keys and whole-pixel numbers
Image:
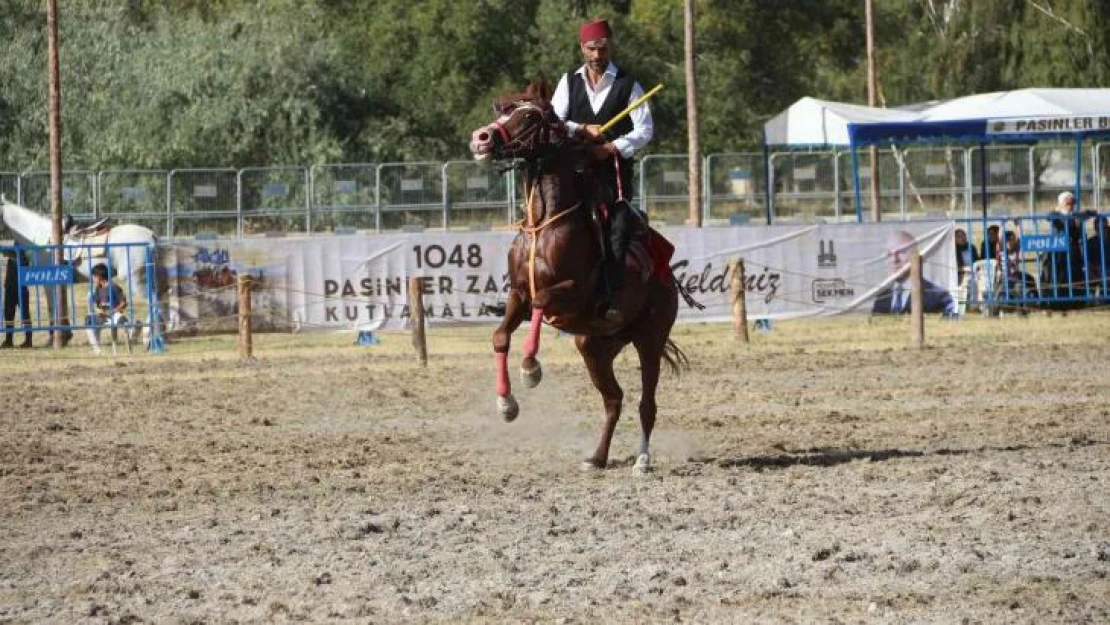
[
  {"x": 739, "y": 305},
  {"x": 693, "y": 143},
  {"x": 416, "y": 314},
  {"x": 61, "y": 318},
  {"x": 246, "y": 348},
  {"x": 872, "y": 89},
  {"x": 917, "y": 302}
]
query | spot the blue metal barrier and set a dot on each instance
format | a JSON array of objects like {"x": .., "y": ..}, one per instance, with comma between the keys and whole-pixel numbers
[
  {"x": 35, "y": 282},
  {"x": 1051, "y": 261}
]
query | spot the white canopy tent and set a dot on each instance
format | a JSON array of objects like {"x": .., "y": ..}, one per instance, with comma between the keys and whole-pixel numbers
[
  {"x": 810, "y": 122},
  {"x": 1022, "y": 103},
  {"x": 1025, "y": 115}
]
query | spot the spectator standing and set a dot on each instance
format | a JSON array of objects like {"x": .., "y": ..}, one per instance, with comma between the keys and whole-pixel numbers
[
  {"x": 15, "y": 297},
  {"x": 1062, "y": 271}
]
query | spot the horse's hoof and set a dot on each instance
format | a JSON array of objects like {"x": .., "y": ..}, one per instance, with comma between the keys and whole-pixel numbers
[
  {"x": 590, "y": 466},
  {"x": 508, "y": 408},
  {"x": 643, "y": 465},
  {"x": 530, "y": 378}
]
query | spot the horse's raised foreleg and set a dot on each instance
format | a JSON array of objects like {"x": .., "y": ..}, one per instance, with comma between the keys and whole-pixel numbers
[
  {"x": 598, "y": 352},
  {"x": 514, "y": 315},
  {"x": 530, "y": 370}
]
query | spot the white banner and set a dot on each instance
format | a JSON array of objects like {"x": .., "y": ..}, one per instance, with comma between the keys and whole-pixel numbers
[
  {"x": 360, "y": 282},
  {"x": 1031, "y": 125}
]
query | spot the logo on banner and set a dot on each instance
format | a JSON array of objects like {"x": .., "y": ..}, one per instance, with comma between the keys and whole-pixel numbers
[
  {"x": 827, "y": 258},
  {"x": 825, "y": 289}
]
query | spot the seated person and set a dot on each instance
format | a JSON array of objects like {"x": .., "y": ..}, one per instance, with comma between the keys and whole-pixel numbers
[
  {"x": 1098, "y": 255},
  {"x": 989, "y": 247},
  {"x": 897, "y": 298},
  {"x": 966, "y": 255},
  {"x": 108, "y": 304},
  {"x": 1018, "y": 282}
]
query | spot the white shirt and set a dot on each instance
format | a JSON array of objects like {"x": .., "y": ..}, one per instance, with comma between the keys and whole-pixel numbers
[{"x": 642, "y": 126}]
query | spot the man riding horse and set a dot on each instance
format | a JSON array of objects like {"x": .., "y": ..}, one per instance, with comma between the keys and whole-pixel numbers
[{"x": 585, "y": 100}]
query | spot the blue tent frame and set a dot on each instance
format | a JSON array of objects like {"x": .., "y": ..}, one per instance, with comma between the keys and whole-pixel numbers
[{"x": 962, "y": 131}]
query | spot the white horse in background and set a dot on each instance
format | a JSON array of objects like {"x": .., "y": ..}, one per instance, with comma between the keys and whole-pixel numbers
[{"x": 123, "y": 249}]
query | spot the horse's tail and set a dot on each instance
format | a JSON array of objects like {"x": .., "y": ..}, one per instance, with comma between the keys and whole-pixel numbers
[
  {"x": 689, "y": 299},
  {"x": 675, "y": 358}
]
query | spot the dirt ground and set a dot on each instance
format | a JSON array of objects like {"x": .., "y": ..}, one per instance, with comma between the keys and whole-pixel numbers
[{"x": 827, "y": 472}]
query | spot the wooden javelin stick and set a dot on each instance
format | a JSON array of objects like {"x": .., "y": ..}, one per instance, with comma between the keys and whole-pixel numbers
[{"x": 631, "y": 107}]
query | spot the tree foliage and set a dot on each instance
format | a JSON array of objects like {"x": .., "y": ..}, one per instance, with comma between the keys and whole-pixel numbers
[{"x": 188, "y": 83}]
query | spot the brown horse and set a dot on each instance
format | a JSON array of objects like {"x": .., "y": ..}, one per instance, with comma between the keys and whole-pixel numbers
[{"x": 555, "y": 268}]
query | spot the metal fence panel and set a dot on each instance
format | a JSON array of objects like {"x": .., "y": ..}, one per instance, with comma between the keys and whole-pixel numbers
[
  {"x": 736, "y": 187},
  {"x": 9, "y": 186},
  {"x": 343, "y": 197},
  {"x": 934, "y": 181},
  {"x": 1102, "y": 180},
  {"x": 664, "y": 185},
  {"x": 273, "y": 199},
  {"x": 1009, "y": 180},
  {"x": 204, "y": 202},
  {"x": 478, "y": 195},
  {"x": 891, "y": 178},
  {"x": 807, "y": 186},
  {"x": 1054, "y": 171},
  {"x": 38, "y": 301},
  {"x": 135, "y": 196},
  {"x": 804, "y": 186},
  {"x": 410, "y": 195},
  {"x": 78, "y": 192}
]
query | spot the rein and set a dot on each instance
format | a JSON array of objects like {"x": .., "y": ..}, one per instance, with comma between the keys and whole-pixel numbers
[
  {"x": 532, "y": 229},
  {"x": 533, "y": 136}
]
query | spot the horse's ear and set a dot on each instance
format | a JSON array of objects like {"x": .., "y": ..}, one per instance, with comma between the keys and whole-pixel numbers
[
  {"x": 539, "y": 90},
  {"x": 543, "y": 89}
]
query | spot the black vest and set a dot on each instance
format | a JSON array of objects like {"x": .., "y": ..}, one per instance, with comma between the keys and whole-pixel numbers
[{"x": 620, "y": 93}]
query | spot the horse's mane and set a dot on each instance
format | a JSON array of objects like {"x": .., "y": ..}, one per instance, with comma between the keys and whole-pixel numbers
[{"x": 537, "y": 92}]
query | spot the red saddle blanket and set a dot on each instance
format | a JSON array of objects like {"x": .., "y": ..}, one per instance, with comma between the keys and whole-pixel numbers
[{"x": 661, "y": 250}]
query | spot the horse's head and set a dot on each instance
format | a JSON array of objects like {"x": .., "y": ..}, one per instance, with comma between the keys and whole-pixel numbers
[
  {"x": 526, "y": 125},
  {"x": 28, "y": 227}
]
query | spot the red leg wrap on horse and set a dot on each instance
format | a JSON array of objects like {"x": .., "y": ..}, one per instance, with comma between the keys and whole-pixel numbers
[
  {"x": 502, "y": 360},
  {"x": 532, "y": 343}
]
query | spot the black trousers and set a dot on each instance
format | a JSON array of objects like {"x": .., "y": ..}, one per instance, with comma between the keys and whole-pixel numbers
[
  {"x": 622, "y": 224},
  {"x": 11, "y": 302}
]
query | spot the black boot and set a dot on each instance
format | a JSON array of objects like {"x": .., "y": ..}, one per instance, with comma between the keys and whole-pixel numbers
[
  {"x": 614, "y": 281},
  {"x": 7, "y": 344},
  {"x": 26, "y": 344},
  {"x": 608, "y": 285},
  {"x": 620, "y": 236}
]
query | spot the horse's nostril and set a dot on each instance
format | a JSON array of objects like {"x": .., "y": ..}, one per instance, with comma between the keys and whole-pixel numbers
[{"x": 483, "y": 137}]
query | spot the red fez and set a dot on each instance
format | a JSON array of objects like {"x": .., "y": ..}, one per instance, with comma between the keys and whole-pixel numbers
[{"x": 592, "y": 31}]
